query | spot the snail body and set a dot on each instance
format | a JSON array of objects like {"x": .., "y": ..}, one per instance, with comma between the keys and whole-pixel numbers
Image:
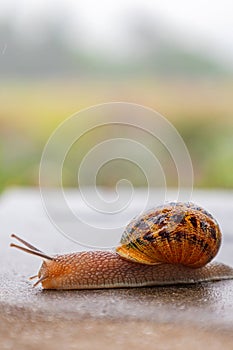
[{"x": 170, "y": 244}]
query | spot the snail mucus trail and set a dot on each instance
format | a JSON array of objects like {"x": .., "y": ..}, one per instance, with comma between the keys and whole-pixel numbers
[{"x": 170, "y": 244}]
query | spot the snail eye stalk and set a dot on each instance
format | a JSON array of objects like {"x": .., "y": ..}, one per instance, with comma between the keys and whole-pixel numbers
[{"x": 30, "y": 248}]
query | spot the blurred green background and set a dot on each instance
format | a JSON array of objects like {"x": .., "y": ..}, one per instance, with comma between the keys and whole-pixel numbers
[{"x": 57, "y": 59}]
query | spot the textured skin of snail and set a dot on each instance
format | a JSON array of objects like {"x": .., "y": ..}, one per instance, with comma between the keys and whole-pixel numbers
[
  {"x": 170, "y": 244},
  {"x": 98, "y": 269}
]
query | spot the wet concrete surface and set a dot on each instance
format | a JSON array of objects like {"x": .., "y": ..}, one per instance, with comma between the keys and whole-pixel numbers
[{"x": 175, "y": 317}]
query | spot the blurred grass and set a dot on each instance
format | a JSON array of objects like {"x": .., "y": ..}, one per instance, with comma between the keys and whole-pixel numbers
[{"x": 201, "y": 110}]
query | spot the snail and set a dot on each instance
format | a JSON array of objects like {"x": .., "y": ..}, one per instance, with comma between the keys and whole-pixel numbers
[{"x": 170, "y": 244}]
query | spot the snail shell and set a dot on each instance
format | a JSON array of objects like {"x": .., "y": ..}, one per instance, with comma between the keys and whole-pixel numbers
[{"x": 175, "y": 233}]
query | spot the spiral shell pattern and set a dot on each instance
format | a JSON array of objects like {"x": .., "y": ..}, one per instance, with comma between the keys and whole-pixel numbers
[{"x": 176, "y": 233}]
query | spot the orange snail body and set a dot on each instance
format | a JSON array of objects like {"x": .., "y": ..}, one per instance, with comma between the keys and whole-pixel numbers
[{"x": 170, "y": 244}]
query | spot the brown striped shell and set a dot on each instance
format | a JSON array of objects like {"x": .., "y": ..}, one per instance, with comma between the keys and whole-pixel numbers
[{"x": 176, "y": 233}]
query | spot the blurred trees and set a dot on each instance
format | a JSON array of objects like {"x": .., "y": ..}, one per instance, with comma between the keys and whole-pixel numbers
[
  {"x": 45, "y": 76},
  {"x": 152, "y": 49}
]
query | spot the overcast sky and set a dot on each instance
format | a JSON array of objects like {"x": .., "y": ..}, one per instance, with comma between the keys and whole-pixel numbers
[{"x": 208, "y": 23}]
